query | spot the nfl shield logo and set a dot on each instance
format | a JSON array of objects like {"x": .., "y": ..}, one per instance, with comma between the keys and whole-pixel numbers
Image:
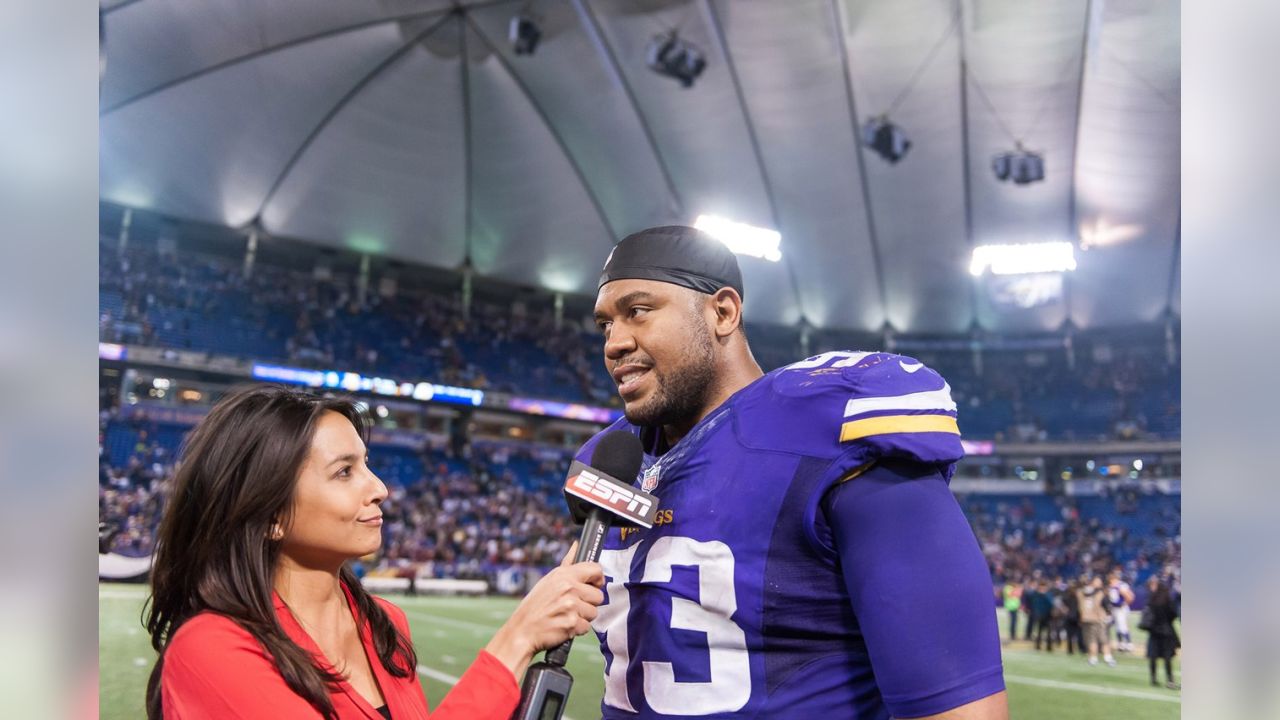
[{"x": 650, "y": 480}]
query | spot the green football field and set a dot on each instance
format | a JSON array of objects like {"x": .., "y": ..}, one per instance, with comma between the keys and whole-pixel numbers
[{"x": 449, "y": 631}]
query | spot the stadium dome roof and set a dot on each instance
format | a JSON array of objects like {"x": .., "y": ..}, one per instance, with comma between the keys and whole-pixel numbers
[{"x": 411, "y": 129}]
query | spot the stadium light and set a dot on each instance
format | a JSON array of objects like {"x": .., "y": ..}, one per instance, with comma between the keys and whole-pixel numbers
[
  {"x": 1021, "y": 166},
  {"x": 669, "y": 54},
  {"x": 885, "y": 139},
  {"x": 1023, "y": 259},
  {"x": 524, "y": 34},
  {"x": 741, "y": 238}
]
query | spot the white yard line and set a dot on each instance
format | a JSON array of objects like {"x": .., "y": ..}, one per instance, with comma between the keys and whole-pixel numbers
[
  {"x": 437, "y": 675},
  {"x": 1095, "y": 689},
  {"x": 1125, "y": 667},
  {"x": 448, "y": 679},
  {"x": 441, "y": 619}
]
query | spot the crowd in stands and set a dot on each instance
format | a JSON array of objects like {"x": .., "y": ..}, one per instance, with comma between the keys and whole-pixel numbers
[
  {"x": 281, "y": 314},
  {"x": 1067, "y": 537},
  {"x": 1036, "y": 396},
  {"x": 476, "y": 522},
  {"x": 485, "y": 506}
]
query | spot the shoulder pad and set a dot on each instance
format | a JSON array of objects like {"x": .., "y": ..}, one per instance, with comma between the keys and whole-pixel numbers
[{"x": 884, "y": 405}]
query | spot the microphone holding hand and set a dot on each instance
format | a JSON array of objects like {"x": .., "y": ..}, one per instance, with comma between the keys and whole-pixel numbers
[{"x": 599, "y": 495}]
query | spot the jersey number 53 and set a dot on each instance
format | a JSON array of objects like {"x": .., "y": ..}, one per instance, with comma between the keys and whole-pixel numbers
[{"x": 730, "y": 685}]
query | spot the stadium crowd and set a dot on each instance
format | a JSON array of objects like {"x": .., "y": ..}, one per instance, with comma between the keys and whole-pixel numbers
[
  {"x": 414, "y": 332},
  {"x": 1140, "y": 534},
  {"x": 282, "y": 315},
  {"x": 493, "y": 506}
]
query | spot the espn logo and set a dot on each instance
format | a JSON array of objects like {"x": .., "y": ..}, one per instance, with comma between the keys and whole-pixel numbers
[{"x": 627, "y": 503}]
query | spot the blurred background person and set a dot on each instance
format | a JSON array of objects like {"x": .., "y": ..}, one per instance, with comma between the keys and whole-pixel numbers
[
  {"x": 1028, "y": 594},
  {"x": 1093, "y": 620},
  {"x": 255, "y": 611},
  {"x": 1012, "y": 593},
  {"x": 1162, "y": 639},
  {"x": 1120, "y": 597},
  {"x": 1071, "y": 621},
  {"x": 1042, "y": 615}
]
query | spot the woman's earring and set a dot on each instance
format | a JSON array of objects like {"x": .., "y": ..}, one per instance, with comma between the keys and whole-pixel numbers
[{"x": 277, "y": 533}]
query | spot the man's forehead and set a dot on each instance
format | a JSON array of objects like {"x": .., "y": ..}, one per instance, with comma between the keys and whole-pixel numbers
[{"x": 614, "y": 291}]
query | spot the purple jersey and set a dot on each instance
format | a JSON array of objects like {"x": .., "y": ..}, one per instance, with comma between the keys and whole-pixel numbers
[{"x": 759, "y": 593}]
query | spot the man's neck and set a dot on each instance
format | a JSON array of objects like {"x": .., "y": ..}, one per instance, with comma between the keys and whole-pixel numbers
[{"x": 731, "y": 382}]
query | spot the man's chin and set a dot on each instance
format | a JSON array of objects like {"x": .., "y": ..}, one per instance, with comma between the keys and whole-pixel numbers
[{"x": 638, "y": 413}]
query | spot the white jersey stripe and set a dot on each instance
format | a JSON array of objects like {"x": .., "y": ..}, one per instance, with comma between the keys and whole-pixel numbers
[{"x": 928, "y": 400}]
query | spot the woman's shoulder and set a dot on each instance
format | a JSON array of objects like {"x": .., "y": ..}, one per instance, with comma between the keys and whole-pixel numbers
[
  {"x": 393, "y": 611},
  {"x": 208, "y": 636}
]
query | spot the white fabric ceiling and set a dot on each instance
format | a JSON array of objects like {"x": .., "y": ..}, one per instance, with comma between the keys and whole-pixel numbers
[{"x": 409, "y": 128}]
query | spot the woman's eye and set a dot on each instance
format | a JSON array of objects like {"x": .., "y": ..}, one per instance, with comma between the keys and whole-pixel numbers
[{"x": 344, "y": 472}]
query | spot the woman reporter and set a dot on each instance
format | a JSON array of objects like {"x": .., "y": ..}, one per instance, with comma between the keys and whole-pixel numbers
[{"x": 254, "y": 611}]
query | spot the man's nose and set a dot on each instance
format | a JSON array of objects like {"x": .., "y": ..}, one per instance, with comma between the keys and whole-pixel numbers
[{"x": 620, "y": 343}]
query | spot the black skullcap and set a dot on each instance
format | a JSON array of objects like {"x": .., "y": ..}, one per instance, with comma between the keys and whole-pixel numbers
[{"x": 674, "y": 254}]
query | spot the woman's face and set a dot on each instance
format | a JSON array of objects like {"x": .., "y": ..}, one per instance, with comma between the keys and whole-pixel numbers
[{"x": 336, "y": 512}]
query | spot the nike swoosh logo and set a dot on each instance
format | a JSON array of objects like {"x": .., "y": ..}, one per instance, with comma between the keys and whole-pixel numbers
[{"x": 912, "y": 367}]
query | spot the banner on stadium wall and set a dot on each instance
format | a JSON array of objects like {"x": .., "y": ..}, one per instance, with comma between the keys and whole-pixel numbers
[
  {"x": 114, "y": 566},
  {"x": 355, "y": 382},
  {"x": 997, "y": 486},
  {"x": 977, "y": 447},
  {"x": 168, "y": 414},
  {"x": 568, "y": 411},
  {"x": 1090, "y": 487}
]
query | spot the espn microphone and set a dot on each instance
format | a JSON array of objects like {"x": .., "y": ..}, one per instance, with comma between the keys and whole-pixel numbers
[{"x": 599, "y": 495}]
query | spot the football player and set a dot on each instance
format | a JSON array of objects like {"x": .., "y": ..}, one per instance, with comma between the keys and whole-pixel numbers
[
  {"x": 808, "y": 558},
  {"x": 1120, "y": 596}
]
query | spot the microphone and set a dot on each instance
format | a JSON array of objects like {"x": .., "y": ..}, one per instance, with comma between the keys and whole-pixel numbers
[{"x": 599, "y": 495}]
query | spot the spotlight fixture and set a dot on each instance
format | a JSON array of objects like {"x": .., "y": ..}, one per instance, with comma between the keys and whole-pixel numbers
[
  {"x": 1023, "y": 258},
  {"x": 741, "y": 238},
  {"x": 524, "y": 34},
  {"x": 886, "y": 139},
  {"x": 668, "y": 54},
  {"x": 1021, "y": 166}
]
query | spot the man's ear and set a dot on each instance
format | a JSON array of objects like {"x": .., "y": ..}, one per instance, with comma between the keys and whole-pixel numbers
[{"x": 727, "y": 304}]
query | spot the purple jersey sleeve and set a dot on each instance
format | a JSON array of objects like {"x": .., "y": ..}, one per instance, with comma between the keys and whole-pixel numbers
[{"x": 919, "y": 588}]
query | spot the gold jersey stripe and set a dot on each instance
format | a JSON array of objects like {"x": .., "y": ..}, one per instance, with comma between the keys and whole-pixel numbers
[{"x": 898, "y": 424}]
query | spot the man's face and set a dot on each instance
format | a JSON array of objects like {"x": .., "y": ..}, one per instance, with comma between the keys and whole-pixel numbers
[{"x": 658, "y": 348}]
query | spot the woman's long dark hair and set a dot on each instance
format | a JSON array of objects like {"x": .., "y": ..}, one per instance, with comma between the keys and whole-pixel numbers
[{"x": 235, "y": 479}]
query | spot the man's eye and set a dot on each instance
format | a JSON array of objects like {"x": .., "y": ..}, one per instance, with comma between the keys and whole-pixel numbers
[{"x": 638, "y": 310}]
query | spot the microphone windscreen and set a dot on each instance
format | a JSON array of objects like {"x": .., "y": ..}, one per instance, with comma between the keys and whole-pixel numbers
[{"x": 618, "y": 454}]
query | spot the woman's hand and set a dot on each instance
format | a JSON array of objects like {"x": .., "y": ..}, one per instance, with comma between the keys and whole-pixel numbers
[{"x": 560, "y": 606}]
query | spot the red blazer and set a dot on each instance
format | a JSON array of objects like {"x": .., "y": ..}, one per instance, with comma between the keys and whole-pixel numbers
[{"x": 213, "y": 668}]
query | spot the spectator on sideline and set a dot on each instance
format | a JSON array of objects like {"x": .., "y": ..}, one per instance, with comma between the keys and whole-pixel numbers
[
  {"x": 1162, "y": 639},
  {"x": 1042, "y": 614},
  {"x": 1093, "y": 620},
  {"x": 254, "y": 609},
  {"x": 1013, "y": 604},
  {"x": 1071, "y": 623},
  {"x": 1028, "y": 594}
]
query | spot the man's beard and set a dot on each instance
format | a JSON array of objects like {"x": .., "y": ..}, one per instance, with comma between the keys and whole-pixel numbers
[{"x": 682, "y": 392}]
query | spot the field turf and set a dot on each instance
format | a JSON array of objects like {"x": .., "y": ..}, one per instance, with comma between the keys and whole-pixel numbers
[{"x": 448, "y": 631}]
